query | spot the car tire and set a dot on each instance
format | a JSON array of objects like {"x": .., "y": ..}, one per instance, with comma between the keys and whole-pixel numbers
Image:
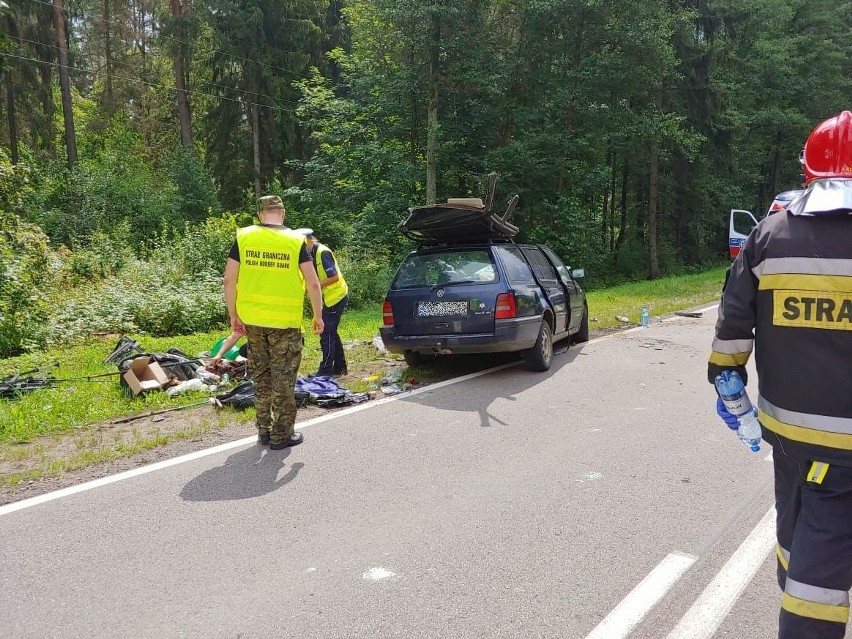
[
  {"x": 413, "y": 358},
  {"x": 582, "y": 335},
  {"x": 540, "y": 356}
]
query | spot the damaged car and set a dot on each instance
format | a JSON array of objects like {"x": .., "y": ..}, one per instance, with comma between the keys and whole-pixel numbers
[{"x": 469, "y": 288}]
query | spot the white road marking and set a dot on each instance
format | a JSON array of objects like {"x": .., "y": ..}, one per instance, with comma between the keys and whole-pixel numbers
[
  {"x": 710, "y": 609},
  {"x": 639, "y": 602},
  {"x": 375, "y": 574},
  {"x": 591, "y": 476}
]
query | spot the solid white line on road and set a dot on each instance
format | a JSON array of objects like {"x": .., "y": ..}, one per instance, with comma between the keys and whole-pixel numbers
[
  {"x": 150, "y": 468},
  {"x": 710, "y": 609},
  {"x": 642, "y": 598}
]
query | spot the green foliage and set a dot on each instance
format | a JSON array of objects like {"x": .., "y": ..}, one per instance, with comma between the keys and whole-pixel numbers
[
  {"x": 155, "y": 297},
  {"x": 101, "y": 256},
  {"x": 195, "y": 193},
  {"x": 114, "y": 187},
  {"x": 14, "y": 184},
  {"x": 199, "y": 248},
  {"x": 580, "y": 106},
  {"x": 368, "y": 276},
  {"x": 25, "y": 274}
]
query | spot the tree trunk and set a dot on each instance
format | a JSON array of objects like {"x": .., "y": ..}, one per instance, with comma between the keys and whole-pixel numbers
[
  {"x": 622, "y": 207},
  {"x": 13, "y": 125},
  {"x": 653, "y": 199},
  {"x": 109, "y": 103},
  {"x": 48, "y": 131},
  {"x": 178, "y": 59},
  {"x": 65, "y": 82},
  {"x": 612, "y": 203},
  {"x": 432, "y": 117},
  {"x": 255, "y": 140},
  {"x": 776, "y": 170}
]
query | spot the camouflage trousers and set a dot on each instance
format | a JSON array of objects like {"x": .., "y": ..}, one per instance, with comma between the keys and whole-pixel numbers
[{"x": 274, "y": 356}]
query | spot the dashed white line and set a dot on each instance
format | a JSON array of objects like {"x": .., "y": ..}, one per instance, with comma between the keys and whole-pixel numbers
[
  {"x": 639, "y": 602},
  {"x": 708, "y": 611}
]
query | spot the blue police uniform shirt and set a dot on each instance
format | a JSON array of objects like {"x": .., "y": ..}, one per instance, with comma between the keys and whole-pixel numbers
[{"x": 327, "y": 261}]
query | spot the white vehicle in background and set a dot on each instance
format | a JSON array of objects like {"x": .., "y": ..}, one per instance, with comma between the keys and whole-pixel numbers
[
  {"x": 742, "y": 222},
  {"x": 740, "y": 225}
]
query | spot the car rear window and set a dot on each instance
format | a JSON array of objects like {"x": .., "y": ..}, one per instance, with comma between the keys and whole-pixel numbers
[{"x": 446, "y": 267}]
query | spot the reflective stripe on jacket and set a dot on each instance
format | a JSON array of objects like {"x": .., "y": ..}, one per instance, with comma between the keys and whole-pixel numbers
[
  {"x": 270, "y": 285},
  {"x": 789, "y": 299},
  {"x": 332, "y": 293}
]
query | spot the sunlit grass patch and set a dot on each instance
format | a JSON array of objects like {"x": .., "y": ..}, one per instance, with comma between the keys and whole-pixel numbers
[{"x": 662, "y": 296}]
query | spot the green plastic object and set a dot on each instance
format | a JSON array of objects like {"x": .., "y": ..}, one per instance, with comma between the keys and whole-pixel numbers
[{"x": 231, "y": 354}]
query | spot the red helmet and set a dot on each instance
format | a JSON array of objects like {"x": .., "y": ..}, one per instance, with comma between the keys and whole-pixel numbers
[{"x": 828, "y": 151}]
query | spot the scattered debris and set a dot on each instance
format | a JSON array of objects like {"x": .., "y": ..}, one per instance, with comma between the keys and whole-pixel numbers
[
  {"x": 622, "y": 319},
  {"x": 125, "y": 347},
  {"x": 380, "y": 345},
  {"x": 194, "y": 384},
  {"x": 689, "y": 313},
  {"x": 151, "y": 413}
]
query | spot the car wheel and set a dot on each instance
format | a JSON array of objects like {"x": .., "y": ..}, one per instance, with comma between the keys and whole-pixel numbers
[
  {"x": 413, "y": 358},
  {"x": 582, "y": 335},
  {"x": 540, "y": 356}
]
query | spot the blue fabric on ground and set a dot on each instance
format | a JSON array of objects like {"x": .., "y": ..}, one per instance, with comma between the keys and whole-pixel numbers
[{"x": 328, "y": 393}]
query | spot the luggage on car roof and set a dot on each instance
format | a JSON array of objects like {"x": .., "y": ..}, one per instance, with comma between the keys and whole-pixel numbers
[
  {"x": 452, "y": 222},
  {"x": 461, "y": 220}
]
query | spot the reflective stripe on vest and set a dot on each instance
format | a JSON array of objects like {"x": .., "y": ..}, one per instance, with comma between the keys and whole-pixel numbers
[
  {"x": 822, "y": 430},
  {"x": 270, "y": 285},
  {"x": 332, "y": 293}
]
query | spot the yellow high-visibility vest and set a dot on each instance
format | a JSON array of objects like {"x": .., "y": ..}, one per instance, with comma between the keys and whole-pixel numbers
[
  {"x": 333, "y": 293},
  {"x": 270, "y": 285}
]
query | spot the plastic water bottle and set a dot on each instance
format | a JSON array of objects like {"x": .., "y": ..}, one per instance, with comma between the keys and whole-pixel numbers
[
  {"x": 732, "y": 391},
  {"x": 644, "y": 321}
]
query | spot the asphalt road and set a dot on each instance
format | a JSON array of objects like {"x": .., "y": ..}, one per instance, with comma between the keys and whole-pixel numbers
[{"x": 600, "y": 500}]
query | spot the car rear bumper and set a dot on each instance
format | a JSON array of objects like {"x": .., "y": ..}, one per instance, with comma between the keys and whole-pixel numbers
[{"x": 511, "y": 335}]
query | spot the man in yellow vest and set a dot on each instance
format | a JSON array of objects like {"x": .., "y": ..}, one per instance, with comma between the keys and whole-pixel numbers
[
  {"x": 335, "y": 297},
  {"x": 266, "y": 273}
]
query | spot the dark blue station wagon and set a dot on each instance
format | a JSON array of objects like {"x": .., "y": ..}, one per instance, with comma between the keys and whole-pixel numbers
[{"x": 484, "y": 296}]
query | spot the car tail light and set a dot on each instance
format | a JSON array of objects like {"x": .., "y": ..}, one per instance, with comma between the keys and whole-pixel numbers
[
  {"x": 776, "y": 206},
  {"x": 505, "y": 306},
  {"x": 387, "y": 313}
]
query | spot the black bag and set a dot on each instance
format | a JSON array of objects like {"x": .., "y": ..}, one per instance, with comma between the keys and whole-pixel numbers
[{"x": 239, "y": 397}]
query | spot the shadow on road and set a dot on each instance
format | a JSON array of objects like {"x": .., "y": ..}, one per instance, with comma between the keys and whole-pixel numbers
[
  {"x": 513, "y": 381},
  {"x": 251, "y": 472}
]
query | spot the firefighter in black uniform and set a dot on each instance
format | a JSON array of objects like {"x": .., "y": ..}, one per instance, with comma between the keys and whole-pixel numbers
[{"x": 789, "y": 298}]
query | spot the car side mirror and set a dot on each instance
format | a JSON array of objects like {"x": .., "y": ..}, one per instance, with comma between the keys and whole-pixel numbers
[{"x": 577, "y": 273}]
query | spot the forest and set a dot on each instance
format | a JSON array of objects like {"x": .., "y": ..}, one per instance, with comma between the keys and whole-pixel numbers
[{"x": 136, "y": 135}]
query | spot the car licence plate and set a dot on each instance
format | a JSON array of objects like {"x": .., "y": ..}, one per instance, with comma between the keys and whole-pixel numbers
[{"x": 441, "y": 309}]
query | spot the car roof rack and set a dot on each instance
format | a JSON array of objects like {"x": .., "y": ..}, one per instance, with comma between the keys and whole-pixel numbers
[{"x": 462, "y": 220}]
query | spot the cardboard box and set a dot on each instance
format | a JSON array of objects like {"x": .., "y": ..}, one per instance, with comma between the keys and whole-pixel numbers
[{"x": 145, "y": 375}]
